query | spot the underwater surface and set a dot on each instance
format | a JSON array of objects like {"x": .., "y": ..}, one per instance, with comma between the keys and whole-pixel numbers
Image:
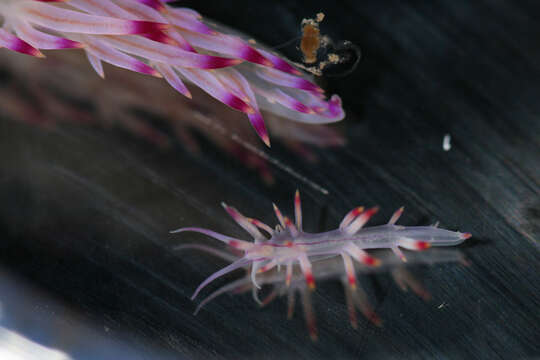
[{"x": 442, "y": 117}]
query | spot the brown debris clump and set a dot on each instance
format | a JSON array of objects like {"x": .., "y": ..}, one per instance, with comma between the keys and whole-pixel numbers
[{"x": 311, "y": 38}]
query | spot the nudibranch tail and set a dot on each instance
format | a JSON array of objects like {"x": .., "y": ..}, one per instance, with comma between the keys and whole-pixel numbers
[{"x": 289, "y": 245}]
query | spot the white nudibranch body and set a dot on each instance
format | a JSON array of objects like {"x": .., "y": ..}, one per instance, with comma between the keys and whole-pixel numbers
[{"x": 289, "y": 245}]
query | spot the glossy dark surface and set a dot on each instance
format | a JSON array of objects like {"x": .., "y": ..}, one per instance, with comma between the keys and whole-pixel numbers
[{"x": 87, "y": 208}]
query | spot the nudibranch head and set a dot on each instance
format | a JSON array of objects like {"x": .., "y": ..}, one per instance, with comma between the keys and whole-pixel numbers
[{"x": 153, "y": 38}]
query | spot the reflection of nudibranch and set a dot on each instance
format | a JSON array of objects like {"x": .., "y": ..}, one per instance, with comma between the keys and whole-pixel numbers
[
  {"x": 356, "y": 298},
  {"x": 153, "y": 38},
  {"x": 289, "y": 245}
]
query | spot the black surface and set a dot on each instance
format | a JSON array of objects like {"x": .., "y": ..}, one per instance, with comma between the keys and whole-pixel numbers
[{"x": 86, "y": 212}]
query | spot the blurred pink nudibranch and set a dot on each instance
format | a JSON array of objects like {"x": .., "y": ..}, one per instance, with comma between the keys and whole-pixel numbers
[{"x": 153, "y": 38}]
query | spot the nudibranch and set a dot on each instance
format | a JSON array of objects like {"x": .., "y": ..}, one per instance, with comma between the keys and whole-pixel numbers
[
  {"x": 289, "y": 245},
  {"x": 154, "y": 38}
]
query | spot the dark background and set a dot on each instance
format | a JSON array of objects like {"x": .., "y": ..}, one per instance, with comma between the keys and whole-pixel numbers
[{"x": 86, "y": 212}]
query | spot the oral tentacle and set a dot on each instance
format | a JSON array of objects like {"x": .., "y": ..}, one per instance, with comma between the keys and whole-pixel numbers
[
  {"x": 208, "y": 249},
  {"x": 227, "y": 269},
  {"x": 222, "y": 290}
]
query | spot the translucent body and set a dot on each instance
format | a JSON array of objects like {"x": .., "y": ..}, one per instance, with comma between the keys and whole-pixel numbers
[
  {"x": 289, "y": 245},
  {"x": 328, "y": 267},
  {"x": 376, "y": 237}
]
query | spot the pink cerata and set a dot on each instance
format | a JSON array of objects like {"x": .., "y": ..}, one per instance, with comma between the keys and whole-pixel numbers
[
  {"x": 154, "y": 38},
  {"x": 289, "y": 245}
]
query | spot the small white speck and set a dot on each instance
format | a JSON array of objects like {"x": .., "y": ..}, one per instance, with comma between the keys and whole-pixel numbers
[
  {"x": 443, "y": 305},
  {"x": 446, "y": 142},
  {"x": 106, "y": 328}
]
